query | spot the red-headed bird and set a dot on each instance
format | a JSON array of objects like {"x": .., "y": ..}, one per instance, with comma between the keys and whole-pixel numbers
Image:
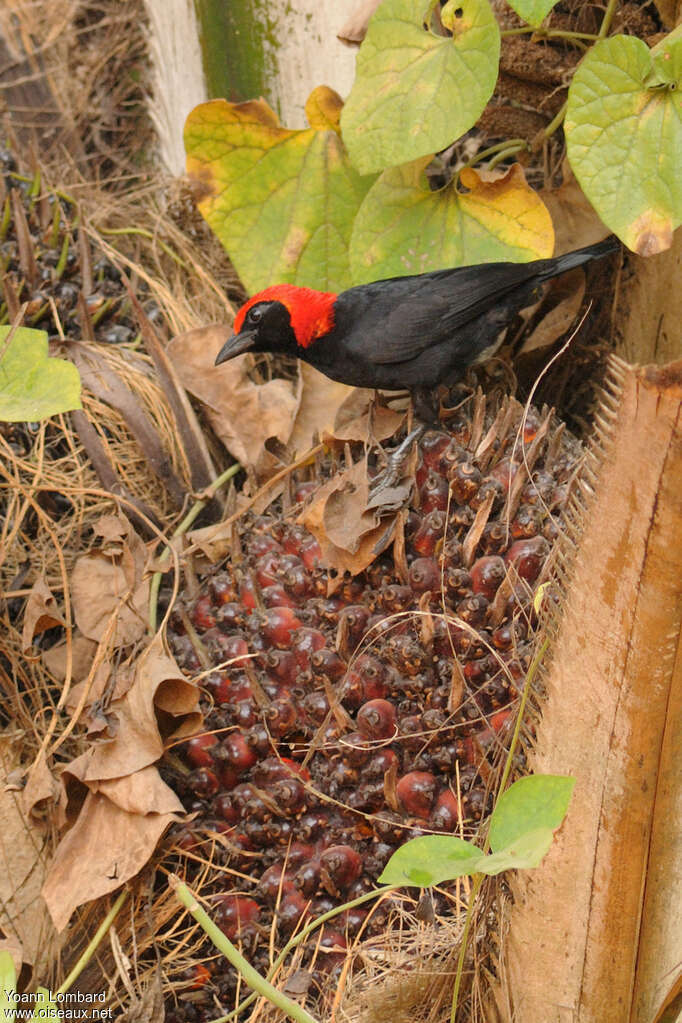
[{"x": 403, "y": 333}]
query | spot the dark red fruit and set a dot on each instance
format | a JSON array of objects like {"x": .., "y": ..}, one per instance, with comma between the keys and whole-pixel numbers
[
  {"x": 248, "y": 592},
  {"x": 236, "y": 915},
  {"x": 221, "y": 589},
  {"x": 434, "y": 493},
  {"x": 260, "y": 544},
  {"x": 307, "y": 878},
  {"x": 202, "y": 615},
  {"x": 230, "y": 617},
  {"x": 430, "y": 534},
  {"x": 528, "y": 557},
  {"x": 239, "y": 755},
  {"x": 340, "y": 865},
  {"x": 281, "y": 717},
  {"x": 225, "y": 808},
  {"x": 199, "y": 749},
  {"x": 306, "y": 642},
  {"x": 465, "y": 479},
  {"x": 396, "y": 598},
  {"x": 277, "y": 596},
  {"x": 311, "y": 553},
  {"x": 486, "y": 575},
  {"x": 445, "y": 816},
  {"x": 527, "y": 522},
  {"x": 203, "y": 782},
  {"x": 304, "y": 490},
  {"x": 326, "y": 663},
  {"x": 352, "y": 623},
  {"x": 277, "y": 626},
  {"x": 424, "y": 575},
  {"x": 381, "y": 762},
  {"x": 377, "y": 719},
  {"x": 273, "y": 881},
  {"x": 416, "y": 792},
  {"x": 290, "y": 795}
]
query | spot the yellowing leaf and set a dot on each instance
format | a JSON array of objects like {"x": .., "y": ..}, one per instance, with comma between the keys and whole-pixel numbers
[
  {"x": 282, "y": 202},
  {"x": 416, "y": 92},
  {"x": 532, "y": 11},
  {"x": 624, "y": 137},
  {"x": 404, "y": 228},
  {"x": 33, "y": 386}
]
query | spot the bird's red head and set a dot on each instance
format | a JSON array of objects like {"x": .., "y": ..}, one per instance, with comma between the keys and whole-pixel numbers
[{"x": 311, "y": 312}]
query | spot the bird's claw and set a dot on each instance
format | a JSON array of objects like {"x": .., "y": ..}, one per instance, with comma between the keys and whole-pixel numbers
[{"x": 388, "y": 480}]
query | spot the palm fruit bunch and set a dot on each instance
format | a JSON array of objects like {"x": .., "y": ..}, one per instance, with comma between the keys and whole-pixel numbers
[
  {"x": 342, "y": 725},
  {"x": 48, "y": 262}
]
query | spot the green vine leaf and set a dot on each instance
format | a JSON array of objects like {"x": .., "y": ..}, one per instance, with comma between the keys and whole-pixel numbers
[
  {"x": 533, "y": 12},
  {"x": 405, "y": 228},
  {"x": 529, "y": 806},
  {"x": 415, "y": 92},
  {"x": 624, "y": 137},
  {"x": 430, "y": 859},
  {"x": 282, "y": 202},
  {"x": 33, "y": 386}
]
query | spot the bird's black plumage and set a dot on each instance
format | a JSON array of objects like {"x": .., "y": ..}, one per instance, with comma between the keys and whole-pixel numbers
[{"x": 409, "y": 333}]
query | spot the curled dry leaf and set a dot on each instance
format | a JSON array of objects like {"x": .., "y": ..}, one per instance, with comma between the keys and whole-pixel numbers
[
  {"x": 108, "y": 587},
  {"x": 82, "y": 655},
  {"x": 354, "y": 29},
  {"x": 566, "y": 297},
  {"x": 41, "y": 613},
  {"x": 361, "y": 417},
  {"x": 346, "y": 530}
]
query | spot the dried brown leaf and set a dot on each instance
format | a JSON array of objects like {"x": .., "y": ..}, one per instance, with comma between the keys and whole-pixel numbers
[
  {"x": 566, "y": 297},
  {"x": 41, "y": 613},
  {"x": 353, "y": 31},
  {"x": 109, "y": 584},
  {"x": 321, "y": 398},
  {"x": 82, "y": 655},
  {"x": 361, "y": 417}
]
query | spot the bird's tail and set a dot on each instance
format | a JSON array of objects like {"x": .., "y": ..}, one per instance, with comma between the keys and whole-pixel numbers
[{"x": 560, "y": 264}]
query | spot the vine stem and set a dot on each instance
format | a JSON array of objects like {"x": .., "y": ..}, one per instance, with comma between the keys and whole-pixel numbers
[
  {"x": 608, "y": 18},
  {"x": 475, "y": 888},
  {"x": 550, "y": 33},
  {"x": 87, "y": 955},
  {"x": 252, "y": 977}
]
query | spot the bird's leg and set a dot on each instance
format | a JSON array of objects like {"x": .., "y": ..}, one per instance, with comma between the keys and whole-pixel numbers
[
  {"x": 395, "y": 466},
  {"x": 426, "y": 415}
]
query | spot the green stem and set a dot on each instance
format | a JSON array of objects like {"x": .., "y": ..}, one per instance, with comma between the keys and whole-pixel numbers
[
  {"x": 189, "y": 518},
  {"x": 556, "y": 122},
  {"x": 475, "y": 888},
  {"x": 608, "y": 18},
  {"x": 505, "y": 153},
  {"x": 92, "y": 947},
  {"x": 549, "y": 33},
  {"x": 252, "y": 977},
  {"x": 146, "y": 234},
  {"x": 301, "y": 936},
  {"x": 492, "y": 150}
]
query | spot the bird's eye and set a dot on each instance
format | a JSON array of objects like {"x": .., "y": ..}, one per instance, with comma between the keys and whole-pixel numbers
[{"x": 255, "y": 315}]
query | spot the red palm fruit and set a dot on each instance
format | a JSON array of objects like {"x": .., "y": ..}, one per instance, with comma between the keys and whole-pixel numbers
[
  {"x": 239, "y": 755},
  {"x": 273, "y": 881},
  {"x": 241, "y": 795},
  {"x": 187, "y": 839},
  {"x": 432, "y": 445},
  {"x": 277, "y": 625},
  {"x": 527, "y": 522},
  {"x": 416, "y": 792},
  {"x": 495, "y": 538},
  {"x": 489, "y": 486},
  {"x": 218, "y": 686},
  {"x": 304, "y": 490},
  {"x": 528, "y": 557},
  {"x": 500, "y": 720},
  {"x": 433, "y": 493},
  {"x": 473, "y": 609},
  {"x": 315, "y": 706},
  {"x": 486, "y": 575},
  {"x": 376, "y": 858},
  {"x": 352, "y": 623},
  {"x": 277, "y": 596},
  {"x": 225, "y": 808},
  {"x": 292, "y": 908},
  {"x": 431, "y": 532},
  {"x": 199, "y": 749},
  {"x": 281, "y": 666},
  {"x": 262, "y": 543},
  {"x": 290, "y": 795},
  {"x": 445, "y": 815},
  {"x": 297, "y": 581},
  {"x": 477, "y": 672},
  {"x": 504, "y": 471},
  {"x": 352, "y": 920},
  {"x": 202, "y": 614},
  {"x": 377, "y": 719},
  {"x": 221, "y": 588},
  {"x": 326, "y": 663},
  {"x": 230, "y": 617},
  {"x": 307, "y": 878},
  {"x": 236, "y": 915},
  {"x": 424, "y": 575},
  {"x": 195, "y": 977},
  {"x": 235, "y": 649},
  {"x": 465, "y": 479},
  {"x": 293, "y": 538},
  {"x": 248, "y": 592},
  {"x": 411, "y": 732},
  {"x": 268, "y": 569},
  {"x": 474, "y": 803},
  {"x": 227, "y": 776},
  {"x": 281, "y": 718},
  {"x": 340, "y": 865},
  {"x": 203, "y": 782},
  {"x": 366, "y": 679},
  {"x": 505, "y": 637},
  {"x": 354, "y": 750},
  {"x": 396, "y": 598},
  {"x": 381, "y": 762},
  {"x": 408, "y": 656},
  {"x": 305, "y": 642},
  {"x": 457, "y": 581},
  {"x": 311, "y": 552},
  {"x": 332, "y": 940},
  {"x": 367, "y": 797}
]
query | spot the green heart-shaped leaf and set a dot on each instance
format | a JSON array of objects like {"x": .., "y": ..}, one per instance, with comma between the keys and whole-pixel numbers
[
  {"x": 532, "y": 11},
  {"x": 33, "y": 386},
  {"x": 526, "y": 852},
  {"x": 405, "y": 228},
  {"x": 282, "y": 202},
  {"x": 531, "y": 805},
  {"x": 624, "y": 137},
  {"x": 416, "y": 92},
  {"x": 430, "y": 860}
]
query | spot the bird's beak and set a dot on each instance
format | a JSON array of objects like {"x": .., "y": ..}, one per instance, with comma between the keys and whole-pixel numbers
[{"x": 235, "y": 345}]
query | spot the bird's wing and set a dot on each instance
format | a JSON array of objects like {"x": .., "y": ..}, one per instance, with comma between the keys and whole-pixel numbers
[{"x": 431, "y": 308}]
